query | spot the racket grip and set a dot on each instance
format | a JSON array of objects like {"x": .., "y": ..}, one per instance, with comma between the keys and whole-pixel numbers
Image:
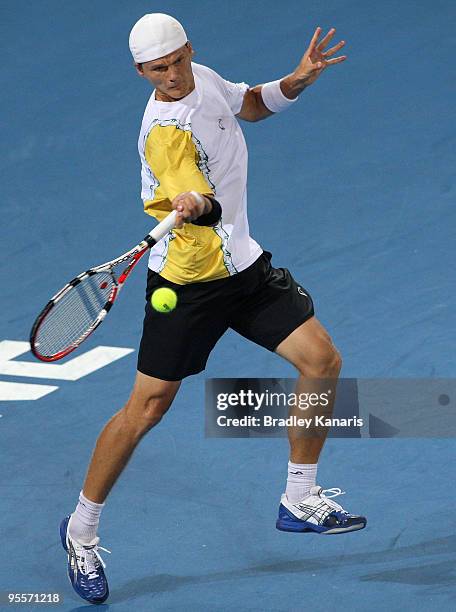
[{"x": 163, "y": 227}]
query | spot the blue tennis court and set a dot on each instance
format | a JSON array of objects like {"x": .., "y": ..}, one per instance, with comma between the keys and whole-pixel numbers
[{"x": 352, "y": 189}]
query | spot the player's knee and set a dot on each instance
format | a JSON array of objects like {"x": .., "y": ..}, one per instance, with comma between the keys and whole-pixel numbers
[
  {"x": 336, "y": 363},
  {"x": 329, "y": 362},
  {"x": 326, "y": 362},
  {"x": 146, "y": 413},
  {"x": 155, "y": 408}
]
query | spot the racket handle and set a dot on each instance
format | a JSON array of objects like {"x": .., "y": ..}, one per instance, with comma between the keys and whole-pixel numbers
[{"x": 162, "y": 228}]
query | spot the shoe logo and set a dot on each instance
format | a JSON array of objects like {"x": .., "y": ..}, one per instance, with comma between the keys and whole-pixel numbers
[
  {"x": 220, "y": 124},
  {"x": 301, "y": 291},
  {"x": 73, "y": 562}
]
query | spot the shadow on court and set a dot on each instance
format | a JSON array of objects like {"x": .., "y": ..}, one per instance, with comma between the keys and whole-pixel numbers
[{"x": 422, "y": 572}]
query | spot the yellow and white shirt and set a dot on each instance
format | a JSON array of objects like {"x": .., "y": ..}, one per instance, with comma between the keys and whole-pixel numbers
[{"x": 197, "y": 144}]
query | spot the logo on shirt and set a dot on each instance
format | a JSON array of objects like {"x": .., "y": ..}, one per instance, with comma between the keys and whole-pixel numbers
[
  {"x": 301, "y": 291},
  {"x": 220, "y": 124}
]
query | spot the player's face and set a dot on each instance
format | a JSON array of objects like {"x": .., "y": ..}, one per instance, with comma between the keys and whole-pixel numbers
[{"x": 171, "y": 75}]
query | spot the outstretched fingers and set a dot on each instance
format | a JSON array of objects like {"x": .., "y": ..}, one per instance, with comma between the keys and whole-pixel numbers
[
  {"x": 334, "y": 49},
  {"x": 322, "y": 44},
  {"x": 336, "y": 60},
  {"x": 313, "y": 42}
]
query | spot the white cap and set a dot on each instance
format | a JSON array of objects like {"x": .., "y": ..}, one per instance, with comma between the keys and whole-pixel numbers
[{"x": 154, "y": 36}]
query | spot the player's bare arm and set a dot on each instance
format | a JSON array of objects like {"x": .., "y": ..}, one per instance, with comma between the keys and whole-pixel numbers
[{"x": 314, "y": 61}]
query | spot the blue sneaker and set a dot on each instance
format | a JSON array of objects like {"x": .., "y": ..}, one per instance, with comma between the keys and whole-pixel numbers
[
  {"x": 85, "y": 566},
  {"x": 317, "y": 513}
]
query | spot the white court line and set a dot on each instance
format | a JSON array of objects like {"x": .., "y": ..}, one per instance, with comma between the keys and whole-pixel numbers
[
  {"x": 74, "y": 369},
  {"x": 11, "y": 391}
]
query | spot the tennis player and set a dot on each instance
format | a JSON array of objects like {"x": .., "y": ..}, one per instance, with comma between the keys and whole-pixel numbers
[{"x": 194, "y": 160}]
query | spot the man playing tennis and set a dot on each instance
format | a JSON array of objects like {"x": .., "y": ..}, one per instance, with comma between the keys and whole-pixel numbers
[{"x": 194, "y": 160}]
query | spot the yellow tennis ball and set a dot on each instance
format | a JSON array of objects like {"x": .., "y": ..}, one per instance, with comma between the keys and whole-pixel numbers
[{"x": 164, "y": 299}]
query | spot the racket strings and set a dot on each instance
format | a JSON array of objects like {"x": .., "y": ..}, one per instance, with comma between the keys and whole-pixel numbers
[{"x": 74, "y": 314}]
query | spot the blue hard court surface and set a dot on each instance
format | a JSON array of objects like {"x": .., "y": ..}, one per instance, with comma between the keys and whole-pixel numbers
[{"x": 352, "y": 189}]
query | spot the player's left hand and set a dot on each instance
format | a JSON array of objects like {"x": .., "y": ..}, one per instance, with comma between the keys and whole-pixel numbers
[
  {"x": 189, "y": 205},
  {"x": 315, "y": 59}
]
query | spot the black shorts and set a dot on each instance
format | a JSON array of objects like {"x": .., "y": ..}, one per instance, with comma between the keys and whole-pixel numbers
[{"x": 262, "y": 303}]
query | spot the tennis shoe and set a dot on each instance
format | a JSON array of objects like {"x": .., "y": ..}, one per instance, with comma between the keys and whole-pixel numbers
[
  {"x": 317, "y": 513},
  {"x": 85, "y": 566}
]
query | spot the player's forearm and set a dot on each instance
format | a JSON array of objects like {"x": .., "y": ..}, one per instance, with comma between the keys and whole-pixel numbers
[
  {"x": 255, "y": 107},
  {"x": 291, "y": 86}
]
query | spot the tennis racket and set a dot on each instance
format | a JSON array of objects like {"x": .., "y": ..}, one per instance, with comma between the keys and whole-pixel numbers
[{"x": 83, "y": 303}]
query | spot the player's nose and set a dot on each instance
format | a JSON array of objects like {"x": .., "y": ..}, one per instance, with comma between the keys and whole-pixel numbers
[{"x": 173, "y": 74}]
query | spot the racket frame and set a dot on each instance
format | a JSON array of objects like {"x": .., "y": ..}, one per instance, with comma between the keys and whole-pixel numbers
[{"x": 133, "y": 254}]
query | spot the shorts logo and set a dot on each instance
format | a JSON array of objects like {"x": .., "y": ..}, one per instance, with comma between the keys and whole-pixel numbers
[
  {"x": 220, "y": 124},
  {"x": 301, "y": 291}
]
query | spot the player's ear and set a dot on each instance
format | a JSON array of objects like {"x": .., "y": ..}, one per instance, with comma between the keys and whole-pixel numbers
[
  {"x": 139, "y": 69},
  {"x": 188, "y": 44}
]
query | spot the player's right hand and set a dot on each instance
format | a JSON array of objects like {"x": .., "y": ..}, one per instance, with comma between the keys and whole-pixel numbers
[{"x": 190, "y": 205}]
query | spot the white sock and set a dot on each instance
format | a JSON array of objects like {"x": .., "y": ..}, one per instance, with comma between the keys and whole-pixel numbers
[
  {"x": 84, "y": 521},
  {"x": 301, "y": 477}
]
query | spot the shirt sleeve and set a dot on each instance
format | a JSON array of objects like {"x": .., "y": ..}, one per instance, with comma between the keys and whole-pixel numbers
[
  {"x": 232, "y": 92},
  {"x": 174, "y": 163},
  {"x": 235, "y": 93}
]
